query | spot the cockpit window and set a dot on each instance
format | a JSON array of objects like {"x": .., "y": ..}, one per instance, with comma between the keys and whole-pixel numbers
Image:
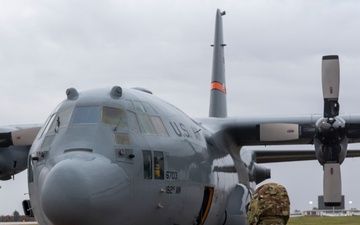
[
  {"x": 61, "y": 119},
  {"x": 139, "y": 106},
  {"x": 159, "y": 126},
  {"x": 64, "y": 117},
  {"x": 45, "y": 128},
  {"x": 149, "y": 109},
  {"x": 86, "y": 115},
  {"x": 47, "y": 141},
  {"x": 133, "y": 122},
  {"x": 146, "y": 125},
  {"x": 130, "y": 105},
  {"x": 114, "y": 117}
]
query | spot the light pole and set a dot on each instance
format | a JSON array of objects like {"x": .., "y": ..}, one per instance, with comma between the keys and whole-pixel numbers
[
  {"x": 310, "y": 203},
  {"x": 350, "y": 202}
]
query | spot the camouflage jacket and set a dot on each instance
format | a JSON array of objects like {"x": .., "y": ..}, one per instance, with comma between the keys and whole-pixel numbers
[{"x": 270, "y": 205}]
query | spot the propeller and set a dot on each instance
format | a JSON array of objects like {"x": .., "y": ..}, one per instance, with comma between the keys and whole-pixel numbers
[
  {"x": 330, "y": 132},
  {"x": 333, "y": 132},
  {"x": 331, "y": 141}
]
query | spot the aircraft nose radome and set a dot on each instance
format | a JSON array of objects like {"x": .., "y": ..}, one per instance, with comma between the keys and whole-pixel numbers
[{"x": 85, "y": 191}]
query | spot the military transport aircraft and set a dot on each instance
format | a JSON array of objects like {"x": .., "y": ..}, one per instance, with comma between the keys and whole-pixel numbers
[{"x": 124, "y": 156}]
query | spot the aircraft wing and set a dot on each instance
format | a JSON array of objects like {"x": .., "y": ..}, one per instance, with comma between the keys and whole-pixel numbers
[
  {"x": 15, "y": 143},
  {"x": 272, "y": 156},
  {"x": 278, "y": 130},
  {"x": 258, "y": 173}
]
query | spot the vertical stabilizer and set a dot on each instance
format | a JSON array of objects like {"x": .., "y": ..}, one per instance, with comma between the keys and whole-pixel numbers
[{"x": 218, "y": 106}]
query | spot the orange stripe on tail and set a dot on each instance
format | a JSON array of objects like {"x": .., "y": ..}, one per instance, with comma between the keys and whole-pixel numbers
[{"x": 218, "y": 86}]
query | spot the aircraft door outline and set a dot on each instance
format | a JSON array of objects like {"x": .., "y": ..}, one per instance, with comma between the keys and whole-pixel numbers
[{"x": 206, "y": 205}]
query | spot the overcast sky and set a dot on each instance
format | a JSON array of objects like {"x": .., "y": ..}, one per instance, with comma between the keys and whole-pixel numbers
[{"x": 273, "y": 64}]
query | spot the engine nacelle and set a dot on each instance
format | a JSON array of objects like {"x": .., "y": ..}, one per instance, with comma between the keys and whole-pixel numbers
[
  {"x": 13, "y": 160},
  {"x": 257, "y": 173}
]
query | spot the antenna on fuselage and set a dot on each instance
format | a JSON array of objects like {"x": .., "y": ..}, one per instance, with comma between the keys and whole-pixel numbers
[{"x": 218, "y": 106}]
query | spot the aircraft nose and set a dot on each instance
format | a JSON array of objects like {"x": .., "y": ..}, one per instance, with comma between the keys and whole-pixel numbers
[{"x": 85, "y": 189}]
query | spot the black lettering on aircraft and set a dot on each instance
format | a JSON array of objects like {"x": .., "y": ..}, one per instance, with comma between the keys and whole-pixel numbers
[
  {"x": 186, "y": 133},
  {"x": 176, "y": 129},
  {"x": 171, "y": 175},
  {"x": 178, "y": 190},
  {"x": 173, "y": 190},
  {"x": 180, "y": 132},
  {"x": 170, "y": 189}
]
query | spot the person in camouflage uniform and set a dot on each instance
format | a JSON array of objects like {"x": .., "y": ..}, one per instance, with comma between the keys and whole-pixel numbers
[{"x": 270, "y": 205}]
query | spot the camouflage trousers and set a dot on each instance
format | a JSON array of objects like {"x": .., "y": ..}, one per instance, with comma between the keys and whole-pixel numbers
[{"x": 271, "y": 221}]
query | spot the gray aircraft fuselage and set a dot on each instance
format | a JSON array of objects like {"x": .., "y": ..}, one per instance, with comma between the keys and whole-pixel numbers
[{"x": 129, "y": 158}]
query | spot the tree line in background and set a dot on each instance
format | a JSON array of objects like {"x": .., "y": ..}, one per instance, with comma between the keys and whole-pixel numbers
[{"x": 15, "y": 217}]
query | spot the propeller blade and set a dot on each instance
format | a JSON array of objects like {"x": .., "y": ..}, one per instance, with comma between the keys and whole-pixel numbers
[
  {"x": 332, "y": 184},
  {"x": 330, "y": 85}
]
